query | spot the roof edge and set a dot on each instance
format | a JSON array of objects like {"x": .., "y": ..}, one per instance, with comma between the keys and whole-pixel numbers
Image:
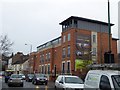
[{"x": 86, "y": 19}]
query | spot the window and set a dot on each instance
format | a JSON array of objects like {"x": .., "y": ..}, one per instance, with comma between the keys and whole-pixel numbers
[
  {"x": 48, "y": 68},
  {"x": 43, "y": 58},
  {"x": 49, "y": 55},
  {"x": 75, "y": 23},
  {"x": 63, "y": 53},
  {"x": 59, "y": 40},
  {"x": 58, "y": 78},
  {"x": 94, "y": 51},
  {"x": 45, "y": 69},
  {"x": 46, "y": 57},
  {"x": 69, "y": 37},
  {"x": 68, "y": 67},
  {"x": 68, "y": 51},
  {"x": 105, "y": 83},
  {"x": 116, "y": 81},
  {"x": 61, "y": 79},
  {"x": 63, "y": 67},
  {"x": 64, "y": 39},
  {"x": 94, "y": 38},
  {"x": 42, "y": 69},
  {"x": 40, "y": 58}
]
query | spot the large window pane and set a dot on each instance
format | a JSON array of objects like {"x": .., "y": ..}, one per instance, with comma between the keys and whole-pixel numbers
[
  {"x": 69, "y": 37},
  {"x": 63, "y": 53},
  {"x": 68, "y": 51}
]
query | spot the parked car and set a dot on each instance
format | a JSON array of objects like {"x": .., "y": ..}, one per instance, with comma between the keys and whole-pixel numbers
[
  {"x": 15, "y": 79},
  {"x": 69, "y": 82},
  {"x": 23, "y": 76},
  {"x": 2, "y": 73},
  {"x": 40, "y": 79},
  {"x": 7, "y": 75},
  {"x": 29, "y": 77},
  {"x": 102, "y": 79}
]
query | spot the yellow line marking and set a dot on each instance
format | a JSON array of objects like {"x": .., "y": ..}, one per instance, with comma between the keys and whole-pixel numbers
[
  {"x": 37, "y": 87},
  {"x": 46, "y": 87}
]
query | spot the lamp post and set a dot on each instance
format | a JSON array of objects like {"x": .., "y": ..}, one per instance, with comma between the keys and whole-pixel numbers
[
  {"x": 109, "y": 29},
  {"x": 30, "y": 47},
  {"x": 29, "y": 56}
]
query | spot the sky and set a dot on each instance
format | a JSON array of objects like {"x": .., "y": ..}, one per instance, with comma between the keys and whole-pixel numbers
[{"x": 35, "y": 22}]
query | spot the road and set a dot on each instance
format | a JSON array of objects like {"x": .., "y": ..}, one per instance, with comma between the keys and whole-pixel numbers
[
  {"x": 28, "y": 85},
  {"x": 0, "y": 82}
]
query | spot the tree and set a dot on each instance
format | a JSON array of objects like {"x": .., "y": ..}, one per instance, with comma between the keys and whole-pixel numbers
[
  {"x": 82, "y": 64},
  {"x": 5, "y": 50},
  {"x": 5, "y": 45}
]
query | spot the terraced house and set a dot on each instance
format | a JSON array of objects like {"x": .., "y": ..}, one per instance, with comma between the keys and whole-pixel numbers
[{"x": 81, "y": 40}]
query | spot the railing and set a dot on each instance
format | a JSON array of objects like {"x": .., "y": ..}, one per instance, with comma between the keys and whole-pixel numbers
[{"x": 105, "y": 66}]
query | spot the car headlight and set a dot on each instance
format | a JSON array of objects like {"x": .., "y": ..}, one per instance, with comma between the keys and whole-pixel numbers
[
  {"x": 37, "y": 78},
  {"x": 21, "y": 80},
  {"x": 30, "y": 78},
  {"x": 10, "y": 80}
]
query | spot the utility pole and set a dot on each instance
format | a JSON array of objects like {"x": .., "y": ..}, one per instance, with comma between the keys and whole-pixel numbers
[
  {"x": 109, "y": 34},
  {"x": 30, "y": 57}
]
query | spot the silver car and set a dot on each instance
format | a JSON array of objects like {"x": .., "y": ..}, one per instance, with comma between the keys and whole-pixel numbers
[
  {"x": 69, "y": 82},
  {"x": 15, "y": 79}
]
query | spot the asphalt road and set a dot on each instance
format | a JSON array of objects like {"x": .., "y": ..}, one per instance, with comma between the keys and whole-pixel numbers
[
  {"x": 0, "y": 82},
  {"x": 27, "y": 85}
]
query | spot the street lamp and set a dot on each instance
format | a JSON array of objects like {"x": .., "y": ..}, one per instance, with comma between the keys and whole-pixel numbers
[
  {"x": 29, "y": 56},
  {"x": 30, "y": 47}
]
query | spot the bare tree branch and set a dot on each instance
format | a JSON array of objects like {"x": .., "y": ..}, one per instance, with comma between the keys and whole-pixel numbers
[{"x": 5, "y": 45}]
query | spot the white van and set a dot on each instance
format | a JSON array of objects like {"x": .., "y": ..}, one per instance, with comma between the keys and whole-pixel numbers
[{"x": 102, "y": 80}]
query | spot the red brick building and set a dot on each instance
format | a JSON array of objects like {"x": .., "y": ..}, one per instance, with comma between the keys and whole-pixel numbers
[
  {"x": 81, "y": 39},
  {"x": 32, "y": 62}
]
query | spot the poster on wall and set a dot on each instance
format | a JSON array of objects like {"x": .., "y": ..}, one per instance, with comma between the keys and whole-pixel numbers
[{"x": 83, "y": 49}]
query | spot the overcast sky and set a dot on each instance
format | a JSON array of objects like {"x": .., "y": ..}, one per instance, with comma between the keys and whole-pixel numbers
[{"x": 37, "y": 21}]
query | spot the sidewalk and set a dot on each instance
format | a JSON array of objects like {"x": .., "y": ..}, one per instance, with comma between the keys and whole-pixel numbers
[{"x": 51, "y": 84}]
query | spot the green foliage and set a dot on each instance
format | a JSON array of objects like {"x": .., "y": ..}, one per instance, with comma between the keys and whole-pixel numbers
[{"x": 81, "y": 64}]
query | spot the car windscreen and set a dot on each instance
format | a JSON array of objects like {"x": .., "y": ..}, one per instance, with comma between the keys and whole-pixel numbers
[
  {"x": 116, "y": 81},
  {"x": 30, "y": 75},
  {"x": 40, "y": 75},
  {"x": 16, "y": 76},
  {"x": 74, "y": 80}
]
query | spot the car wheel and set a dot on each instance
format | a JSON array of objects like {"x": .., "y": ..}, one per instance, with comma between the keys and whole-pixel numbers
[
  {"x": 55, "y": 88},
  {"x": 21, "y": 85},
  {"x": 32, "y": 82},
  {"x": 46, "y": 83},
  {"x": 9, "y": 85},
  {"x": 6, "y": 81},
  {"x": 35, "y": 82}
]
